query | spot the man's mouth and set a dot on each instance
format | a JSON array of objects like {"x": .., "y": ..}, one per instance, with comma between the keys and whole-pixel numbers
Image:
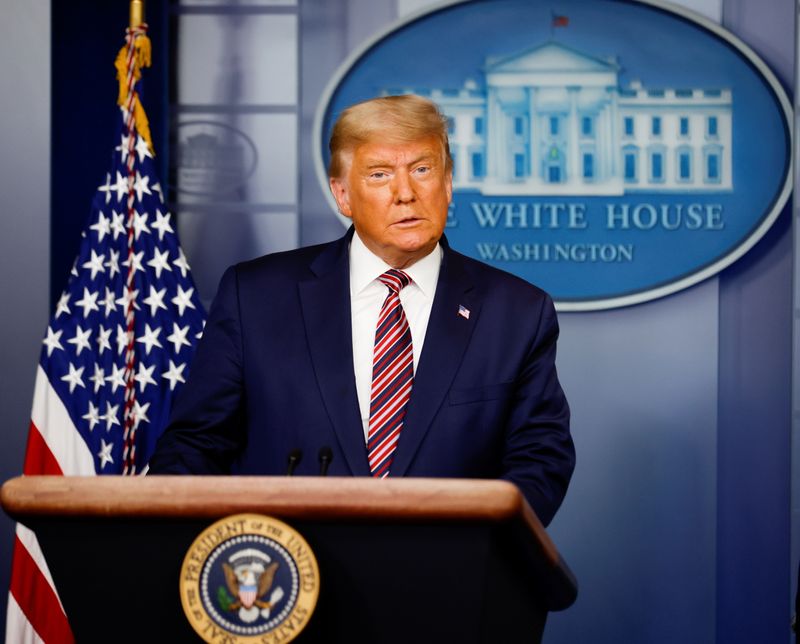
[{"x": 407, "y": 221}]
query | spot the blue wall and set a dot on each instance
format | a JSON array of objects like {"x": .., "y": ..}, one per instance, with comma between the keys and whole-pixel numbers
[{"x": 754, "y": 578}]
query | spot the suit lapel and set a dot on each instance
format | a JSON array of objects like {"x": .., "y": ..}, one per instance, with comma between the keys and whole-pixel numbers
[
  {"x": 325, "y": 301},
  {"x": 446, "y": 340}
]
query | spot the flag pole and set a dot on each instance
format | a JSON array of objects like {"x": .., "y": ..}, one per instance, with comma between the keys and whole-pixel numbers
[
  {"x": 136, "y": 13},
  {"x": 137, "y": 29}
]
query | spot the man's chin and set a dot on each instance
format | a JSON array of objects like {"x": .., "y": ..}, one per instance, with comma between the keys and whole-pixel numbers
[{"x": 412, "y": 250}]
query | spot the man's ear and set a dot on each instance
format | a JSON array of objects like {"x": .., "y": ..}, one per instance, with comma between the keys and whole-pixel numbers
[
  {"x": 341, "y": 195},
  {"x": 449, "y": 185}
]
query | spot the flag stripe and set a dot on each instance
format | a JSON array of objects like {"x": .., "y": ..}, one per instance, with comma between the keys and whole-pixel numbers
[
  {"x": 28, "y": 540},
  {"x": 18, "y": 628},
  {"x": 53, "y": 422},
  {"x": 36, "y": 598},
  {"x": 38, "y": 457}
]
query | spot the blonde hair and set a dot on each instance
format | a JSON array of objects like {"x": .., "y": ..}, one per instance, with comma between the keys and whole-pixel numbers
[{"x": 393, "y": 119}]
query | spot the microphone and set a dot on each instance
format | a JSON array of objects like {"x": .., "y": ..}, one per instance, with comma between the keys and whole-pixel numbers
[
  {"x": 325, "y": 458},
  {"x": 295, "y": 456}
]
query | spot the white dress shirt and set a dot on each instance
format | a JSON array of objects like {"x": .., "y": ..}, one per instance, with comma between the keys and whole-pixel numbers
[{"x": 366, "y": 298}]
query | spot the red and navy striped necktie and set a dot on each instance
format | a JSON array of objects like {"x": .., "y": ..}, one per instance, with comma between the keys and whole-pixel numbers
[{"x": 392, "y": 376}]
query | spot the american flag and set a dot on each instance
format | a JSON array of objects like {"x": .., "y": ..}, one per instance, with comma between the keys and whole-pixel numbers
[{"x": 79, "y": 424}]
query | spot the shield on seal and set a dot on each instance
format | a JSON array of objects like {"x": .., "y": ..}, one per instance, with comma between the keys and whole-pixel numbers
[{"x": 247, "y": 595}]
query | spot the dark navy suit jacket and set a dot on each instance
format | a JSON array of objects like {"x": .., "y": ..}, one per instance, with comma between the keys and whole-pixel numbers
[{"x": 274, "y": 373}]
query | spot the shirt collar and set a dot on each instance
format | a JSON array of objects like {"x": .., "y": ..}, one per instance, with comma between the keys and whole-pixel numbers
[{"x": 366, "y": 267}]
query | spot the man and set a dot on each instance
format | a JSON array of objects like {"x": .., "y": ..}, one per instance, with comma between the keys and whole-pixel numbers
[{"x": 385, "y": 352}]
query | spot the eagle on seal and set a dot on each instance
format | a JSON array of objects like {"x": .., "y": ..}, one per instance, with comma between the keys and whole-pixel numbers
[{"x": 242, "y": 583}]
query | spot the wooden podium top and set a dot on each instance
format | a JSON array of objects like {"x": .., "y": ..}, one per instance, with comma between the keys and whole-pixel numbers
[
  {"x": 449, "y": 541},
  {"x": 317, "y": 498}
]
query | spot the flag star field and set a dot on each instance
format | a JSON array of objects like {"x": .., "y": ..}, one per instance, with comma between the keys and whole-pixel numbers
[{"x": 83, "y": 351}]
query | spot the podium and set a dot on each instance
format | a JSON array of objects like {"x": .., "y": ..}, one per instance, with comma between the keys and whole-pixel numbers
[{"x": 400, "y": 560}]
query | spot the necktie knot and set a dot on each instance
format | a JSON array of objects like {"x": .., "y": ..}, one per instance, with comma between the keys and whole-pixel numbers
[{"x": 395, "y": 279}]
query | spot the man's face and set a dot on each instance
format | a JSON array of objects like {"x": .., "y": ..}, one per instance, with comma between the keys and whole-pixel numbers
[{"x": 397, "y": 195}]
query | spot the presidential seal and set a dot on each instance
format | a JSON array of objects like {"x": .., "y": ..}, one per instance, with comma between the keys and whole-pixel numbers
[{"x": 249, "y": 578}]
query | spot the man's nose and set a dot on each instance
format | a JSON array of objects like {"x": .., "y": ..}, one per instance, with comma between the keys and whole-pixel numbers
[{"x": 403, "y": 188}]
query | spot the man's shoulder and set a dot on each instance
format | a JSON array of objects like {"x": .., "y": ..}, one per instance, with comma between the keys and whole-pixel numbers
[
  {"x": 290, "y": 265},
  {"x": 297, "y": 258},
  {"x": 494, "y": 281}
]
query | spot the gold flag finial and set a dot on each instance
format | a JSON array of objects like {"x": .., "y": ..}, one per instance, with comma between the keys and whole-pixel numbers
[
  {"x": 134, "y": 55},
  {"x": 137, "y": 13}
]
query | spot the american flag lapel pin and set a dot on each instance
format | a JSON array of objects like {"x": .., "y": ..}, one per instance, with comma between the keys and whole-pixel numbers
[{"x": 463, "y": 311}]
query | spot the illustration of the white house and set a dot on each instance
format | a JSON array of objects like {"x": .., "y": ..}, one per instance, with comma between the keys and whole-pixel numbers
[{"x": 554, "y": 121}]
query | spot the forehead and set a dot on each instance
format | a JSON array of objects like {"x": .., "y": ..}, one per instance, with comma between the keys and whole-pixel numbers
[{"x": 397, "y": 153}]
